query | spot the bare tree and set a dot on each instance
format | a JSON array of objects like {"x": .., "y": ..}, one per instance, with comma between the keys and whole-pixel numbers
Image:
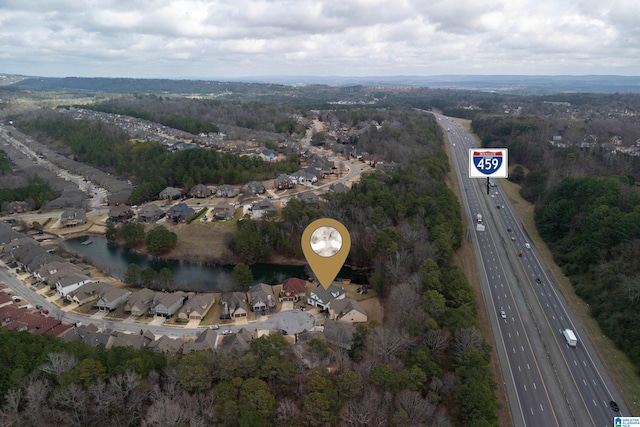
[
  {"x": 384, "y": 343},
  {"x": 36, "y": 393},
  {"x": 467, "y": 337},
  {"x": 437, "y": 340},
  {"x": 371, "y": 411},
  {"x": 57, "y": 363},
  {"x": 287, "y": 410},
  {"x": 10, "y": 413},
  {"x": 165, "y": 412},
  {"x": 412, "y": 409},
  {"x": 70, "y": 405}
]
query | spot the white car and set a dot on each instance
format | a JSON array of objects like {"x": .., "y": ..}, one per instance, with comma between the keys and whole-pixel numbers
[
  {"x": 527, "y": 245},
  {"x": 503, "y": 314},
  {"x": 227, "y": 332},
  {"x": 214, "y": 327}
]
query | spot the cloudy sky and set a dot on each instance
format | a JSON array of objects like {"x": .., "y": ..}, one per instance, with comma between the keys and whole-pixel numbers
[{"x": 239, "y": 38}]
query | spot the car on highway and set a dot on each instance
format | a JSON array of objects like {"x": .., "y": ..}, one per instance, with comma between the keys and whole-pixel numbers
[
  {"x": 527, "y": 245},
  {"x": 614, "y": 406},
  {"x": 538, "y": 280},
  {"x": 509, "y": 230},
  {"x": 503, "y": 314},
  {"x": 513, "y": 238}
]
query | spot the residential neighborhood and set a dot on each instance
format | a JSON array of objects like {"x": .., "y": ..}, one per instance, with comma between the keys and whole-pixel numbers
[{"x": 225, "y": 321}]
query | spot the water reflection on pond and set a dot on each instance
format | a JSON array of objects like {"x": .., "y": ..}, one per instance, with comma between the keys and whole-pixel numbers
[{"x": 114, "y": 260}]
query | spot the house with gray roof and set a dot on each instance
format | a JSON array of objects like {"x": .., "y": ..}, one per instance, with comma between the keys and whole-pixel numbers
[
  {"x": 205, "y": 341},
  {"x": 339, "y": 333},
  {"x": 237, "y": 343},
  {"x": 321, "y": 297},
  {"x": 200, "y": 191},
  {"x": 223, "y": 211},
  {"x": 139, "y": 302},
  {"x": 261, "y": 208},
  {"x": 165, "y": 344},
  {"x": 254, "y": 187},
  {"x": 226, "y": 190},
  {"x": 347, "y": 310},
  {"x": 167, "y": 304},
  {"x": 68, "y": 284},
  {"x": 150, "y": 213},
  {"x": 283, "y": 182},
  {"x": 261, "y": 297},
  {"x": 111, "y": 298},
  {"x": 170, "y": 193},
  {"x": 72, "y": 217},
  {"x": 197, "y": 306},
  {"x": 179, "y": 213},
  {"x": 234, "y": 305}
]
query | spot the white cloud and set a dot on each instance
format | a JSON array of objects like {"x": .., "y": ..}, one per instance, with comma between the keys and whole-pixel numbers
[{"x": 218, "y": 38}]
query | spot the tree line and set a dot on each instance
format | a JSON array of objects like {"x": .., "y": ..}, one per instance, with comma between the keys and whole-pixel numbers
[{"x": 35, "y": 193}]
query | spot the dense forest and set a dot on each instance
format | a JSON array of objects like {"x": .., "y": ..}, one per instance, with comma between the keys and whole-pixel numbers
[
  {"x": 35, "y": 193},
  {"x": 592, "y": 225}
]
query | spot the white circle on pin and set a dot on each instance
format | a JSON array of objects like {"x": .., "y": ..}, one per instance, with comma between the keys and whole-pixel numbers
[{"x": 326, "y": 241}]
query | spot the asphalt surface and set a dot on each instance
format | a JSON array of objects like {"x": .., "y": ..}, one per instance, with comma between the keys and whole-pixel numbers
[{"x": 548, "y": 383}]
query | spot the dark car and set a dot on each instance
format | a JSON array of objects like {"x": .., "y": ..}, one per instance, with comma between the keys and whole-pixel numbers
[
  {"x": 283, "y": 332},
  {"x": 38, "y": 307},
  {"x": 614, "y": 406},
  {"x": 509, "y": 230},
  {"x": 538, "y": 280}
]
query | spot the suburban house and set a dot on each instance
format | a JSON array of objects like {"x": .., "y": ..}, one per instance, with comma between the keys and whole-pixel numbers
[
  {"x": 167, "y": 304},
  {"x": 261, "y": 297},
  {"x": 254, "y": 187},
  {"x": 67, "y": 284},
  {"x": 226, "y": 190},
  {"x": 268, "y": 155},
  {"x": 179, "y": 213},
  {"x": 60, "y": 273},
  {"x": 200, "y": 191},
  {"x": 205, "y": 341},
  {"x": 321, "y": 297},
  {"x": 165, "y": 344},
  {"x": 283, "y": 182},
  {"x": 17, "y": 207},
  {"x": 223, "y": 211},
  {"x": 347, "y": 310},
  {"x": 123, "y": 339},
  {"x": 170, "y": 193},
  {"x": 87, "y": 293},
  {"x": 139, "y": 302},
  {"x": 119, "y": 213},
  {"x": 112, "y": 298},
  {"x": 308, "y": 197},
  {"x": 234, "y": 305},
  {"x": 196, "y": 307},
  {"x": 261, "y": 208},
  {"x": 88, "y": 334},
  {"x": 303, "y": 177},
  {"x": 150, "y": 213},
  {"x": 338, "y": 188},
  {"x": 339, "y": 333},
  {"x": 237, "y": 343},
  {"x": 293, "y": 289},
  {"x": 71, "y": 217}
]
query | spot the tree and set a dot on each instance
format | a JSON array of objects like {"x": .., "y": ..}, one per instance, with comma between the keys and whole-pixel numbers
[
  {"x": 133, "y": 234},
  {"x": 132, "y": 275},
  {"x": 164, "y": 277},
  {"x": 242, "y": 275},
  {"x": 160, "y": 240},
  {"x": 147, "y": 277},
  {"x": 111, "y": 233},
  {"x": 255, "y": 397}
]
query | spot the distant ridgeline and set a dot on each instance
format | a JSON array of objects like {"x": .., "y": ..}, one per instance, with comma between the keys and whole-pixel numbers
[{"x": 514, "y": 84}]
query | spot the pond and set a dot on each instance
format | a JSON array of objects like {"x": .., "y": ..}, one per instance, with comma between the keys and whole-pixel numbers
[{"x": 114, "y": 261}]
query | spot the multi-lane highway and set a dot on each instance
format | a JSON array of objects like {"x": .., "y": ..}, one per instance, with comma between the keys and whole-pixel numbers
[{"x": 548, "y": 382}]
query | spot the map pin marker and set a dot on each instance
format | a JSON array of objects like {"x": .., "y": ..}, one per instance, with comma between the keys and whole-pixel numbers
[{"x": 326, "y": 244}]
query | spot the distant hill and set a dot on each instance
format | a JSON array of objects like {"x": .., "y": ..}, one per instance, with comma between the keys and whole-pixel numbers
[{"x": 512, "y": 84}]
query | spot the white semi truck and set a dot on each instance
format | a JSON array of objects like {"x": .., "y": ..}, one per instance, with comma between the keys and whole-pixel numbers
[{"x": 570, "y": 337}]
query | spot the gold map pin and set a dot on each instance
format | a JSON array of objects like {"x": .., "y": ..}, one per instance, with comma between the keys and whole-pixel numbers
[{"x": 326, "y": 244}]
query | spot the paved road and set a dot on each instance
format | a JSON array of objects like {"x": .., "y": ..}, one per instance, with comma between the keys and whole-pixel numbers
[{"x": 548, "y": 382}]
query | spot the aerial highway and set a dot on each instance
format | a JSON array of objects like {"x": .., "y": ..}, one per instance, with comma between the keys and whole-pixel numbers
[{"x": 548, "y": 382}]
